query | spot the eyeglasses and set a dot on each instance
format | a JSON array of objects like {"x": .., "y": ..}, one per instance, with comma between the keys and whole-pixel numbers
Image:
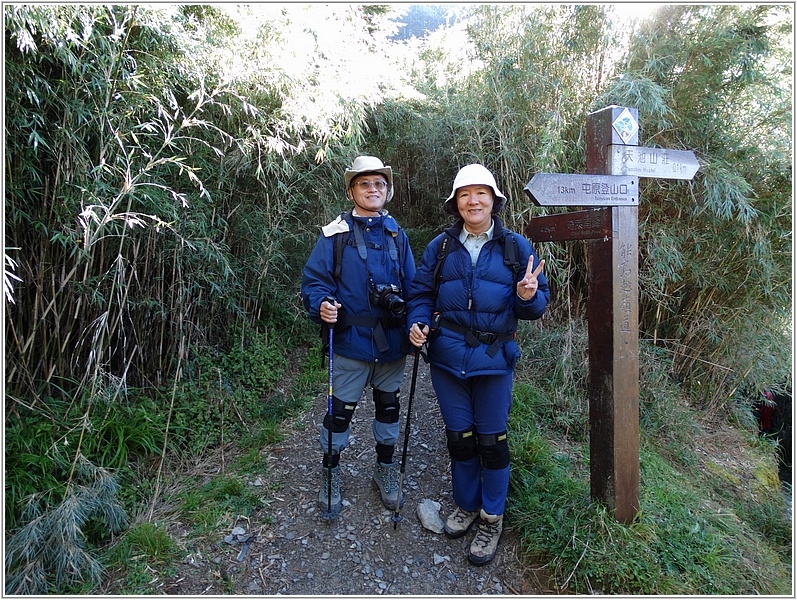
[{"x": 364, "y": 185}]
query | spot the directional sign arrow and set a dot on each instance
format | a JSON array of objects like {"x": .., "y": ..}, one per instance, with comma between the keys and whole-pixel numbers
[
  {"x": 652, "y": 162},
  {"x": 560, "y": 189}
]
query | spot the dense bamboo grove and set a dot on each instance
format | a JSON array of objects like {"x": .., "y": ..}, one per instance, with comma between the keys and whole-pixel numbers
[
  {"x": 167, "y": 169},
  {"x": 715, "y": 258}
]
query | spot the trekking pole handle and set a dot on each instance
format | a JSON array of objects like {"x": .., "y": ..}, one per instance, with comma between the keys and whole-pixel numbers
[
  {"x": 330, "y": 299},
  {"x": 421, "y": 327}
]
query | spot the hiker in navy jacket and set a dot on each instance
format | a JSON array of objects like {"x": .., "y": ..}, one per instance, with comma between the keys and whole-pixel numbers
[
  {"x": 468, "y": 301},
  {"x": 363, "y": 261}
]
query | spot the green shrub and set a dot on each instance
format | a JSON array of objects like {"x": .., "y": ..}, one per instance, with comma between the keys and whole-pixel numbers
[
  {"x": 145, "y": 549},
  {"x": 230, "y": 394},
  {"x": 38, "y": 448},
  {"x": 145, "y": 540}
]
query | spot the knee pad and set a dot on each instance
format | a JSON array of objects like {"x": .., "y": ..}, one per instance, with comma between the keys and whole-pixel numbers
[
  {"x": 386, "y": 406},
  {"x": 342, "y": 412},
  {"x": 461, "y": 444},
  {"x": 494, "y": 450}
]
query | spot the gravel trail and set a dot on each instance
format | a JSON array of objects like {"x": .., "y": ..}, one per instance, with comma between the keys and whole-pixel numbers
[{"x": 295, "y": 552}]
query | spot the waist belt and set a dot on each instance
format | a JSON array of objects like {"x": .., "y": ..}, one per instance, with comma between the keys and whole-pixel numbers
[
  {"x": 474, "y": 337},
  {"x": 378, "y": 324}
]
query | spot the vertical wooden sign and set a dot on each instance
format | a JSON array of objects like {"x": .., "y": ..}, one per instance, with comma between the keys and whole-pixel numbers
[
  {"x": 613, "y": 326},
  {"x": 615, "y": 161}
]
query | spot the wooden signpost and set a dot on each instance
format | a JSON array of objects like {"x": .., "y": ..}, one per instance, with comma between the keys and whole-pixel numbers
[{"x": 615, "y": 162}]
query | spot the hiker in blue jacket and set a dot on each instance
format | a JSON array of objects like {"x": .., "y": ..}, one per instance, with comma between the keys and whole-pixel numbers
[
  {"x": 469, "y": 300},
  {"x": 363, "y": 261}
]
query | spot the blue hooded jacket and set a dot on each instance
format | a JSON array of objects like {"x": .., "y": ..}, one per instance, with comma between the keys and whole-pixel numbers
[
  {"x": 481, "y": 298},
  {"x": 352, "y": 289}
]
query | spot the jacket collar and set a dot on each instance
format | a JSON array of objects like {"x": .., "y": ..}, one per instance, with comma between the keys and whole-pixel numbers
[
  {"x": 387, "y": 220},
  {"x": 456, "y": 228}
]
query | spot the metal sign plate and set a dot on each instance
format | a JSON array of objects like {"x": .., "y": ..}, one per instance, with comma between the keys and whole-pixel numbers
[
  {"x": 652, "y": 162},
  {"x": 560, "y": 189},
  {"x": 625, "y": 125}
]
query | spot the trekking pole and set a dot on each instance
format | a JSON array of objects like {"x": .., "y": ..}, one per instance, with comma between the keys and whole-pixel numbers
[
  {"x": 330, "y": 328},
  {"x": 396, "y": 518}
]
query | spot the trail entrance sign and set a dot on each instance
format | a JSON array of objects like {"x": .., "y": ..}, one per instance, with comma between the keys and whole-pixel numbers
[
  {"x": 555, "y": 189},
  {"x": 615, "y": 162}
]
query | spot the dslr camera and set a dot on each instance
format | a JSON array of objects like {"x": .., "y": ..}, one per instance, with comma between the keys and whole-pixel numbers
[{"x": 388, "y": 296}]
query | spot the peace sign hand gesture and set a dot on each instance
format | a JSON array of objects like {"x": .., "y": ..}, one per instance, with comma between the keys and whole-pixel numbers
[{"x": 527, "y": 287}]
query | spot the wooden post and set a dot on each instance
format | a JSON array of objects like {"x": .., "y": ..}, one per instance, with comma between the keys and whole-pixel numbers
[
  {"x": 613, "y": 326},
  {"x": 615, "y": 161}
]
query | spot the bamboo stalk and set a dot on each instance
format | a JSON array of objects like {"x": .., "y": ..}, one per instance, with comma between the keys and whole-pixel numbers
[
  {"x": 161, "y": 353},
  {"x": 34, "y": 327},
  {"x": 181, "y": 350}
]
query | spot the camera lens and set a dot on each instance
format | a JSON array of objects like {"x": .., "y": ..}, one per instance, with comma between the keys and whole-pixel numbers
[{"x": 395, "y": 304}]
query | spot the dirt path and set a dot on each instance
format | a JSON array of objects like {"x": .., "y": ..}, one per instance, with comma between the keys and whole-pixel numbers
[{"x": 296, "y": 552}]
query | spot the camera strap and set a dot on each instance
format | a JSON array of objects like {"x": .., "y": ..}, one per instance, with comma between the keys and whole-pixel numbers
[
  {"x": 358, "y": 237},
  {"x": 376, "y": 324}
]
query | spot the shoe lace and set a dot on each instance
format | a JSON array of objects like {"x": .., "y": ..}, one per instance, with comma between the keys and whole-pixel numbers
[
  {"x": 330, "y": 479},
  {"x": 462, "y": 516},
  {"x": 391, "y": 480},
  {"x": 487, "y": 531}
]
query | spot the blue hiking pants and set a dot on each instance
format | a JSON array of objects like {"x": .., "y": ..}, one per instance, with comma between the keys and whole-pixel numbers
[{"x": 481, "y": 403}]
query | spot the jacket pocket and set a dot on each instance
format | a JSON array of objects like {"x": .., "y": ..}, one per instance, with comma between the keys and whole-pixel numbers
[{"x": 511, "y": 354}]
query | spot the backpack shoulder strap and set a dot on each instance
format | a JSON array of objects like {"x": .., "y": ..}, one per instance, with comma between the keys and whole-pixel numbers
[
  {"x": 394, "y": 249},
  {"x": 442, "y": 253},
  {"x": 339, "y": 242},
  {"x": 353, "y": 229},
  {"x": 511, "y": 252}
]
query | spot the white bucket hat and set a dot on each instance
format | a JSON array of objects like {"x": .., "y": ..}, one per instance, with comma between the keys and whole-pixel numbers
[
  {"x": 474, "y": 174},
  {"x": 369, "y": 164}
]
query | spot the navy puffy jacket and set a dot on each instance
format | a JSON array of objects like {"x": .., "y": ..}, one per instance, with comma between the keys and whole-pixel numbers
[
  {"x": 481, "y": 297},
  {"x": 351, "y": 290}
]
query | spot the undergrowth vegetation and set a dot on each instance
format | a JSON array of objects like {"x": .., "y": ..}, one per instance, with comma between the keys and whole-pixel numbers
[
  {"x": 708, "y": 524},
  {"x": 231, "y": 402}
]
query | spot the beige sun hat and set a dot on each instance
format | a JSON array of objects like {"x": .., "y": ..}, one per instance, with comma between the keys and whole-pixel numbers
[
  {"x": 474, "y": 174},
  {"x": 369, "y": 164}
]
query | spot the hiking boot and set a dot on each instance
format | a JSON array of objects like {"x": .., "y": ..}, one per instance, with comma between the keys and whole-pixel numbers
[
  {"x": 484, "y": 545},
  {"x": 386, "y": 478},
  {"x": 327, "y": 511},
  {"x": 459, "y": 522}
]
